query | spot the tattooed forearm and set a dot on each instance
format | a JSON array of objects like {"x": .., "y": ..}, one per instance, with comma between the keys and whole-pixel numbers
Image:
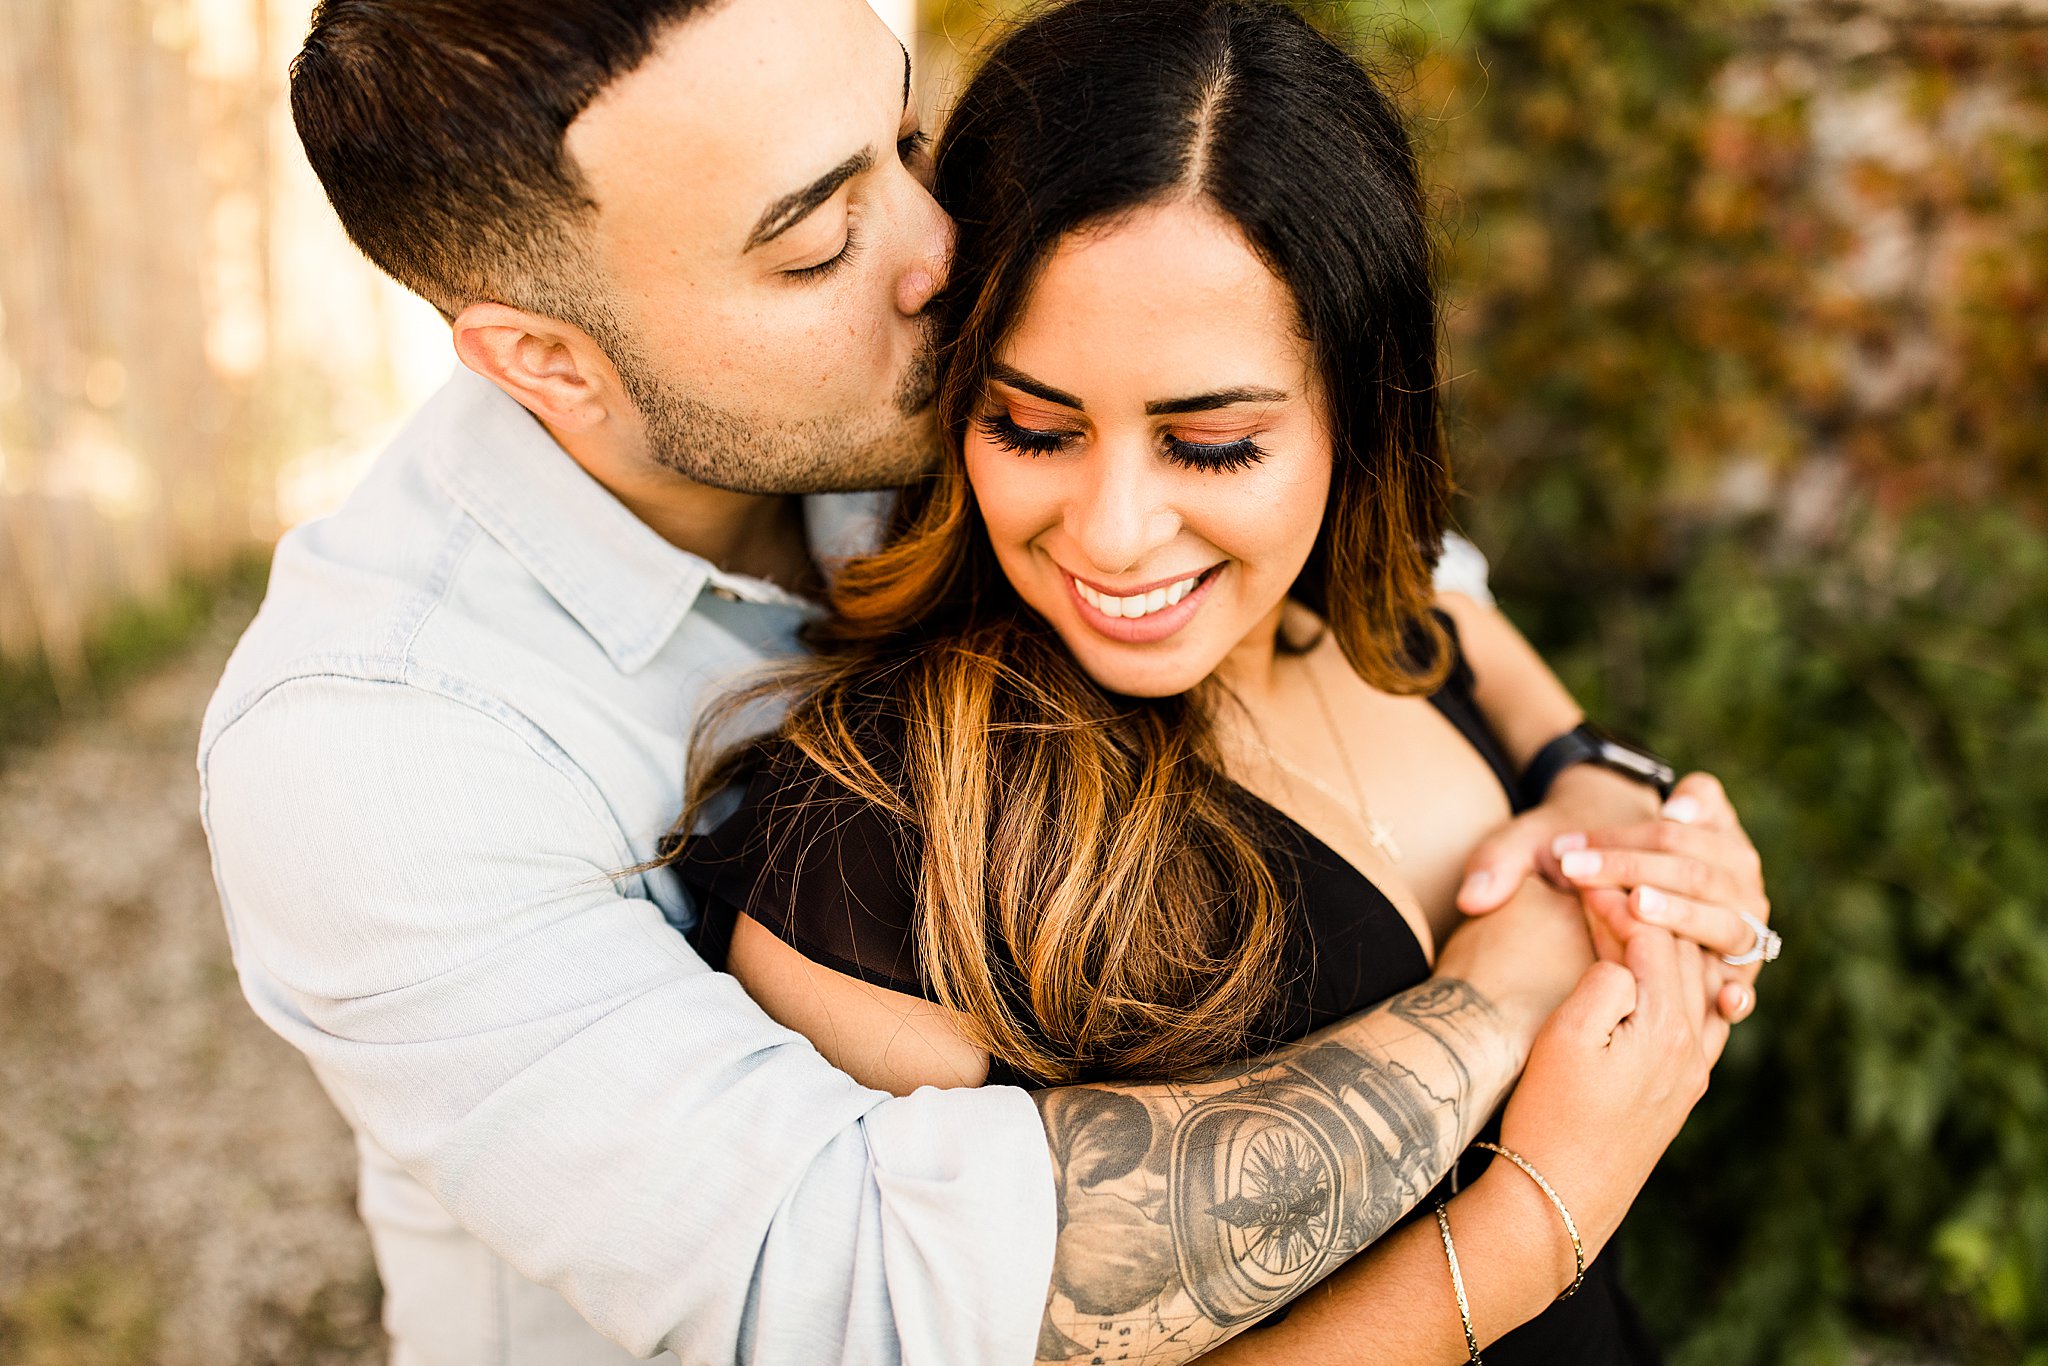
[{"x": 1189, "y": 1211}]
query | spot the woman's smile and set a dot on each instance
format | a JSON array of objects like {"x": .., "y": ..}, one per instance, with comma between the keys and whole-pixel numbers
[{"x": 1147, "y": 613}]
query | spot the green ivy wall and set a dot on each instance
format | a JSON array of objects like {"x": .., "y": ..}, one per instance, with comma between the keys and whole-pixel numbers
[{"x": 1749, "y": 323}]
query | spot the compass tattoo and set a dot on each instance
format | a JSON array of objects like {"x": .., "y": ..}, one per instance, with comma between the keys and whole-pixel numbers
[{"x": 1191, "y": 1210}]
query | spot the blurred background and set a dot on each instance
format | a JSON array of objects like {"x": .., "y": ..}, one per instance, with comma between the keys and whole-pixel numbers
[{"x": 1747, "y": 316}]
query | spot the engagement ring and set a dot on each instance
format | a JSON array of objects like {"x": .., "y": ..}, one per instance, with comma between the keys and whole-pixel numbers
[{"x": 1763, "y": 950}]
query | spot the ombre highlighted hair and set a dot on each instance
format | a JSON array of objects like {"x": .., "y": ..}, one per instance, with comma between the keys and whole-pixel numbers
[{"x": 1094, "y": 897}]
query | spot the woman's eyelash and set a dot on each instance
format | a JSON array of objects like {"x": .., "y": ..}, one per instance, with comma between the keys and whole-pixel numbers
[
  {"x": 824, "y": 268},
  {"x": 1220, "y": 457},
  {"x": 912, "y": 147},
  {"x": 1005, "y": 432},
  {"x": 1216, "y": 457}
]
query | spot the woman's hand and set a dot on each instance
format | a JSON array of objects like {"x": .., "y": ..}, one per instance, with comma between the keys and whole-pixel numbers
[
  {"x": 1689, "y": 869},
  {"x": 1613, "y": 1076},
  {"x": 1614, "y": 1073},
  {"x": 1693, "y": 872}
]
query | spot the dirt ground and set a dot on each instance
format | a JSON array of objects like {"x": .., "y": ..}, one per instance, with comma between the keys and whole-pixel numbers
[{"x": 174, "y": 1187}]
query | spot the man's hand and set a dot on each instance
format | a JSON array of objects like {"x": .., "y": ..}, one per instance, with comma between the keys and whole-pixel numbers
[
  {"x": 1690, "y": 869},
  {"x": 1583, "y": 797},
  {"x": 1693, "y": 872},
  {"x": 1527, "y": 957}
]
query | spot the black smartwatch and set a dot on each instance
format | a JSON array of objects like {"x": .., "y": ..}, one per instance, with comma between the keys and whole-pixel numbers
[{"x": 1587, "y": 744}]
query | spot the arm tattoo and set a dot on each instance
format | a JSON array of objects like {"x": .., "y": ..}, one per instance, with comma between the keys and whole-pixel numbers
[{"x": 1190, "y": 1210}]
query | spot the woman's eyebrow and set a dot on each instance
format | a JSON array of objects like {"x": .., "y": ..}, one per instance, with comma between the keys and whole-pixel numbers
[
  {"x": 1222, "y": 398},
  {"x": 1017, "y": 379}
]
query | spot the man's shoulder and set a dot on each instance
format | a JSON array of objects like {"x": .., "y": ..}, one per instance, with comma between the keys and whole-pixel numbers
[
  {"x": 350, "y": 593},
  {"x": 481, "y": 588}
]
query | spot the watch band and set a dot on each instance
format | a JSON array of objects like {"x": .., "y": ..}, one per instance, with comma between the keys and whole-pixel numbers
[{"x": 1587, "y": 744}]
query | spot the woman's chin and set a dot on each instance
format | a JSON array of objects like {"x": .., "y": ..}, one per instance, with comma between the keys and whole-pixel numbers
[{"x": 1137, "y": 671}]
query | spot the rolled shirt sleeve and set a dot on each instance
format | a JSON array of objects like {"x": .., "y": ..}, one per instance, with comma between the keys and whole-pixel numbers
[
  {"x": 1462, "y": 568},
  {"x": 426, "y": 897}
]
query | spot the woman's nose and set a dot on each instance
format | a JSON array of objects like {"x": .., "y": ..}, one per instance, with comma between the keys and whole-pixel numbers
[{"x": 1120, "y": 515}]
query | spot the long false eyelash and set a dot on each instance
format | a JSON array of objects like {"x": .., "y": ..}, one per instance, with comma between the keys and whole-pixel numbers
[
  {"x": 1217, "y": 458},
  {"x": 1220, "y": 458},
  {"x": 826, "y": 267},
  {"x": 999, "y": 428}
]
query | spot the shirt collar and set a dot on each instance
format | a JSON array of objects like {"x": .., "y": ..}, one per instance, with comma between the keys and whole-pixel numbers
[{"x": 624, "y": 584}]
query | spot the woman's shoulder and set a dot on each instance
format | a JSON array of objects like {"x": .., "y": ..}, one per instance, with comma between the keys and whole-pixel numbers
[
  {"x": 829, "y": 868},
  {"x": 807, "y": 892},
  {"x": 892, "y": 1040}
]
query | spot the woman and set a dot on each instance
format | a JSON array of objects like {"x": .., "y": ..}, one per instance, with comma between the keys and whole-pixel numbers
[{"x": 1140, "y": 746}]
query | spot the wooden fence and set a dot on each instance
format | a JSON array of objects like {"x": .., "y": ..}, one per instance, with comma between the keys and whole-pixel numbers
[{"x": 179, "y": 316}]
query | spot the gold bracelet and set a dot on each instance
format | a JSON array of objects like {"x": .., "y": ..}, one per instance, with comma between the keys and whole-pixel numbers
[
  {"x": 1443, "y": 1225},
  {"x": 1578, "y": 1248}
]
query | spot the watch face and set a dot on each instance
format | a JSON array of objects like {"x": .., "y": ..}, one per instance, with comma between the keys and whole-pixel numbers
[{"x": 1646, "y": 766}]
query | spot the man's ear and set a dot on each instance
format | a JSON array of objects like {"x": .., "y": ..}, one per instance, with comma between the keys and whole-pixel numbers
[{"x": 552, "y": 368}]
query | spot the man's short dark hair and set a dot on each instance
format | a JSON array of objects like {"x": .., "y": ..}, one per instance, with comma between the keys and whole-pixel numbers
[{"x": 437, "y": 127}]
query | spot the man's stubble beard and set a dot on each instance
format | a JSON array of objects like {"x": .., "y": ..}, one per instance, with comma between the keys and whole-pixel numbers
[{"x": 714, "y": 446}]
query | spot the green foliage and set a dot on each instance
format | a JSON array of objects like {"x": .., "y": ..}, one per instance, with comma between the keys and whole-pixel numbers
[
  {"x": 92, "y": 1314},
  {"x": 1667, "y": 229},
  {"x": 1745, "y": 528},
  {"x": 1871, "y": 1167},
  {"x": 126, "y": 643}
]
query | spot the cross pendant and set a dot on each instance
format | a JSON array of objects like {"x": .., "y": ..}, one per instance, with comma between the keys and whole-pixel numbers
[{"x": 1382, "y": 838}]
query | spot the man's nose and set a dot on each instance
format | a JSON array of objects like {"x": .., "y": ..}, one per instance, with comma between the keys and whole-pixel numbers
[
  {"x": 1121, "y": 515},
  {"x": 926, "y": 272}
]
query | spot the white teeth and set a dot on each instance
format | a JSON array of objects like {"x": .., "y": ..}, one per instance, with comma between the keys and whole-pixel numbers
[{"x": 1138, "y": 604}]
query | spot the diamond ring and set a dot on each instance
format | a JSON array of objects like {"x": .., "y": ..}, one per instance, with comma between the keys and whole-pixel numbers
[{"x": 1764, "y": 950}]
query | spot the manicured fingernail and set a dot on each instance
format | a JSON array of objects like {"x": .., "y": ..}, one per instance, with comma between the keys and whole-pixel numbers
[
  {"x": 1684, "y": 810},
  {"x": 1743, "y": 1001},
  {"x": 1580, "y": 863},
  {"x": 1651, "y": 906},
  {"x": 1564, "y": 844},
  {"x": 1476, "y": 885}
]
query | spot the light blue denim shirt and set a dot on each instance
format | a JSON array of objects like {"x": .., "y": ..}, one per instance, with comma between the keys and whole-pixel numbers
[{"x": 461, "y": 711}]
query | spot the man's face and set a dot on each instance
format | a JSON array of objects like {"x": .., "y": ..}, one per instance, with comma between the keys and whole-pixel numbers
[{"x": 769, "y": 246}]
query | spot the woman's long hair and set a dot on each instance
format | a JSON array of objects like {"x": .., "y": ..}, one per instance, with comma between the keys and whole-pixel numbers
[{"x": 1095, "y": 897}]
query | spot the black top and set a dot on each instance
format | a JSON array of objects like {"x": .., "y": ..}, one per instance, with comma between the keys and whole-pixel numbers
[{"x": 835, "y": 876}]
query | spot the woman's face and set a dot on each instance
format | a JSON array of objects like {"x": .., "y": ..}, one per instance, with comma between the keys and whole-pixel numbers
[{"x": 1152, "y": 458}]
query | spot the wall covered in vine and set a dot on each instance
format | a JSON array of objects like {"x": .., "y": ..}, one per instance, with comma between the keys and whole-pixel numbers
[{"x": 1748, "y": 318}]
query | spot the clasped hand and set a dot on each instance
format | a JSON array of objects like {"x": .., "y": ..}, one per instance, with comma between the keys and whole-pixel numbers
[{"x": 1689, "y": 868}]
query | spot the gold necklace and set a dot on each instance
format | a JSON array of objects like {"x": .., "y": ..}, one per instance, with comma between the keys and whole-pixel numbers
[{"x": 1376, "y": 830}]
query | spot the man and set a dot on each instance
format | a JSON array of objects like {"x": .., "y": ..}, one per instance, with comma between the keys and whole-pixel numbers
[{"x": 684, "y": 248}]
